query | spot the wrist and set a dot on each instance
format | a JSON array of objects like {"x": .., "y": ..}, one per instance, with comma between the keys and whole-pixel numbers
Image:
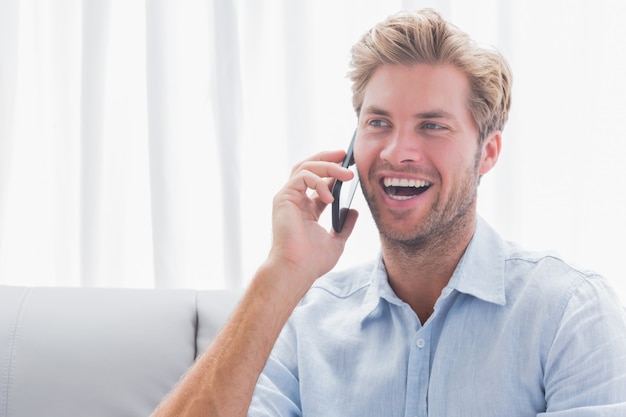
[{"x": 282, "y": 282}]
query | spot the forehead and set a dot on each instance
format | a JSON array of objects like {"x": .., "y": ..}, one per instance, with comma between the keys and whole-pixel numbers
[{"x": 418, "y": 89}]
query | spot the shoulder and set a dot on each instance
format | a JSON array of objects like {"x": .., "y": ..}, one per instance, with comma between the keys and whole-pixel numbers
[
  {"x": 547, "y": 269},
  {"x": 335, "y": 303},
  {"x": 345, "y": 283},
  {"x": 534, "y": 276},
  {"x": 334, "y": 294},
  {"x": 547, "y": 279}
]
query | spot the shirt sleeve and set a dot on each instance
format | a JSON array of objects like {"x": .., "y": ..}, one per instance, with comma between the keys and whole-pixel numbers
[
  {"x": 585, "y": 369},
  {"x": 277, "y": 393}
]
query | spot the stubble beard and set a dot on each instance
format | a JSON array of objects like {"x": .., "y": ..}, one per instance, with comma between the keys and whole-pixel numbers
[{"x": 444, "y": 223}]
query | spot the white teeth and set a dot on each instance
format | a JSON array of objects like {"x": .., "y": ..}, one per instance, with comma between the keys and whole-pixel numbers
[{"x": 403, "y": 182}]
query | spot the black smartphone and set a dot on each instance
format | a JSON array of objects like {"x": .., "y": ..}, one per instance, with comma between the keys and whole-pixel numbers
[{"x": 343, "y": 192}]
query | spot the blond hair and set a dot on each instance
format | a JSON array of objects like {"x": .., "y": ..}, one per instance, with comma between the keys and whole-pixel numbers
[{"x": 425, "y": 37}]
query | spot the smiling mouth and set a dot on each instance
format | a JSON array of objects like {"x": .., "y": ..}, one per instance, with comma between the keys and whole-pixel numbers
[{"x": 403, "y": 188}]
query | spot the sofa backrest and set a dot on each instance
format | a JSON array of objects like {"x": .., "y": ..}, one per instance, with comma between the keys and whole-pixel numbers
[{"x": 100, "y": 352}]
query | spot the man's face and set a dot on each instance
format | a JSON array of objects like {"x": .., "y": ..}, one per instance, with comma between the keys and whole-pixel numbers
[{"x": 417, "y": 151}]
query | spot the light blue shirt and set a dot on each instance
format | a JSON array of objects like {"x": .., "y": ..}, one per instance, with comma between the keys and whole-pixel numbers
[{"x": 513, "y": 334}]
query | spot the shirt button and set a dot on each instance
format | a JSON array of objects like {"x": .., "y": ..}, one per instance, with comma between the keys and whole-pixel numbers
[{"x": 420, "y": 343}]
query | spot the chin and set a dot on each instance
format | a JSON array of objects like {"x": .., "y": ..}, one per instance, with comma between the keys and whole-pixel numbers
[
  {"x": 423, "y": 232},
  {"x": 404, "y": 235},
  {"x": 401, "y": 233}
]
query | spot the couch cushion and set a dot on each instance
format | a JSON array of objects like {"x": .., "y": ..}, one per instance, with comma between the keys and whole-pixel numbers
[{"x": 92, "y": 352}]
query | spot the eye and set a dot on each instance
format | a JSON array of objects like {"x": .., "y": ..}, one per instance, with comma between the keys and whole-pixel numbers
[
  {"x": 378, "y": 123},
  {"x": 432, "y": 126}
]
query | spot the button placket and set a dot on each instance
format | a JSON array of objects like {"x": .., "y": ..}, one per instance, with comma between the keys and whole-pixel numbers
[{"x": 418, "y": 374}]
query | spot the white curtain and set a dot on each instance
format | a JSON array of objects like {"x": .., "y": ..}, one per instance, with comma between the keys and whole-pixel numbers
[{"x": 141, "y": 142}]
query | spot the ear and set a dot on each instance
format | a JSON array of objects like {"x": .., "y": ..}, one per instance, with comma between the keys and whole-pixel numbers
[{"x": 490, "y": 152}]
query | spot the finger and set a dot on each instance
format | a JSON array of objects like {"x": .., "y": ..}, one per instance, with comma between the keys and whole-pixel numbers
[
  {"x": 319, "y": 203},
  {"x": 300, "y": 183},
  {"x": 335, "y": 156},
  {"x": 326, "y": 170},
  {"x": 320, "y": 186}
]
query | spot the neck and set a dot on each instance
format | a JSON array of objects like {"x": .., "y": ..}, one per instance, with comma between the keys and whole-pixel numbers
[{"x": 418, "y": 272}]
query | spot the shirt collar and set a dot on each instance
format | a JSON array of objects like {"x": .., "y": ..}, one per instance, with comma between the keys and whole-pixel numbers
[
  {"x": 379, "y": 289},
  {"x": 481, "y": 270},
  {"x": 479, "y": 273}
]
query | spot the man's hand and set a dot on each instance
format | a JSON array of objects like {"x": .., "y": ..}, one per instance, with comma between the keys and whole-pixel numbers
[{"x": 299, "y": 241}]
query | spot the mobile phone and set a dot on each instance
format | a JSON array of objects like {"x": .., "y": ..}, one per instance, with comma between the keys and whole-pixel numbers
[{"x": 343, "y": 192}]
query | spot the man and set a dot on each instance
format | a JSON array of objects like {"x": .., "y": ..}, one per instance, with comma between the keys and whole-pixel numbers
[{"x": 450, "y": 320}]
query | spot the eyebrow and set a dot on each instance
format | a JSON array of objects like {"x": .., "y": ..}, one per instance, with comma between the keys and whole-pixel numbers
[
  {"x": 431, "y": 114},
  {"x": 376, "y": 110},
  {"x": 435, "y": 114}
]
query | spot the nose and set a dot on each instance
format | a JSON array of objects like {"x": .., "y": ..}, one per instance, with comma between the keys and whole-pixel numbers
[{"x": 401, "y": 146}]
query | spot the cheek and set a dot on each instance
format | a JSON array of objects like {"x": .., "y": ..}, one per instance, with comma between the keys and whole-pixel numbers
[
  {"x": 455, "y": 168},
  {"x": 363, "y": 157}
]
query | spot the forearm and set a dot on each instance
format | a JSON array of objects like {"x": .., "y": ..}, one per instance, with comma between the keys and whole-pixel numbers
[{"x": 222, "y": 381}]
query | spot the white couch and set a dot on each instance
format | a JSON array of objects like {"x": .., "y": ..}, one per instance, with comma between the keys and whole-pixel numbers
[{"x": 85, "y": 352}]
